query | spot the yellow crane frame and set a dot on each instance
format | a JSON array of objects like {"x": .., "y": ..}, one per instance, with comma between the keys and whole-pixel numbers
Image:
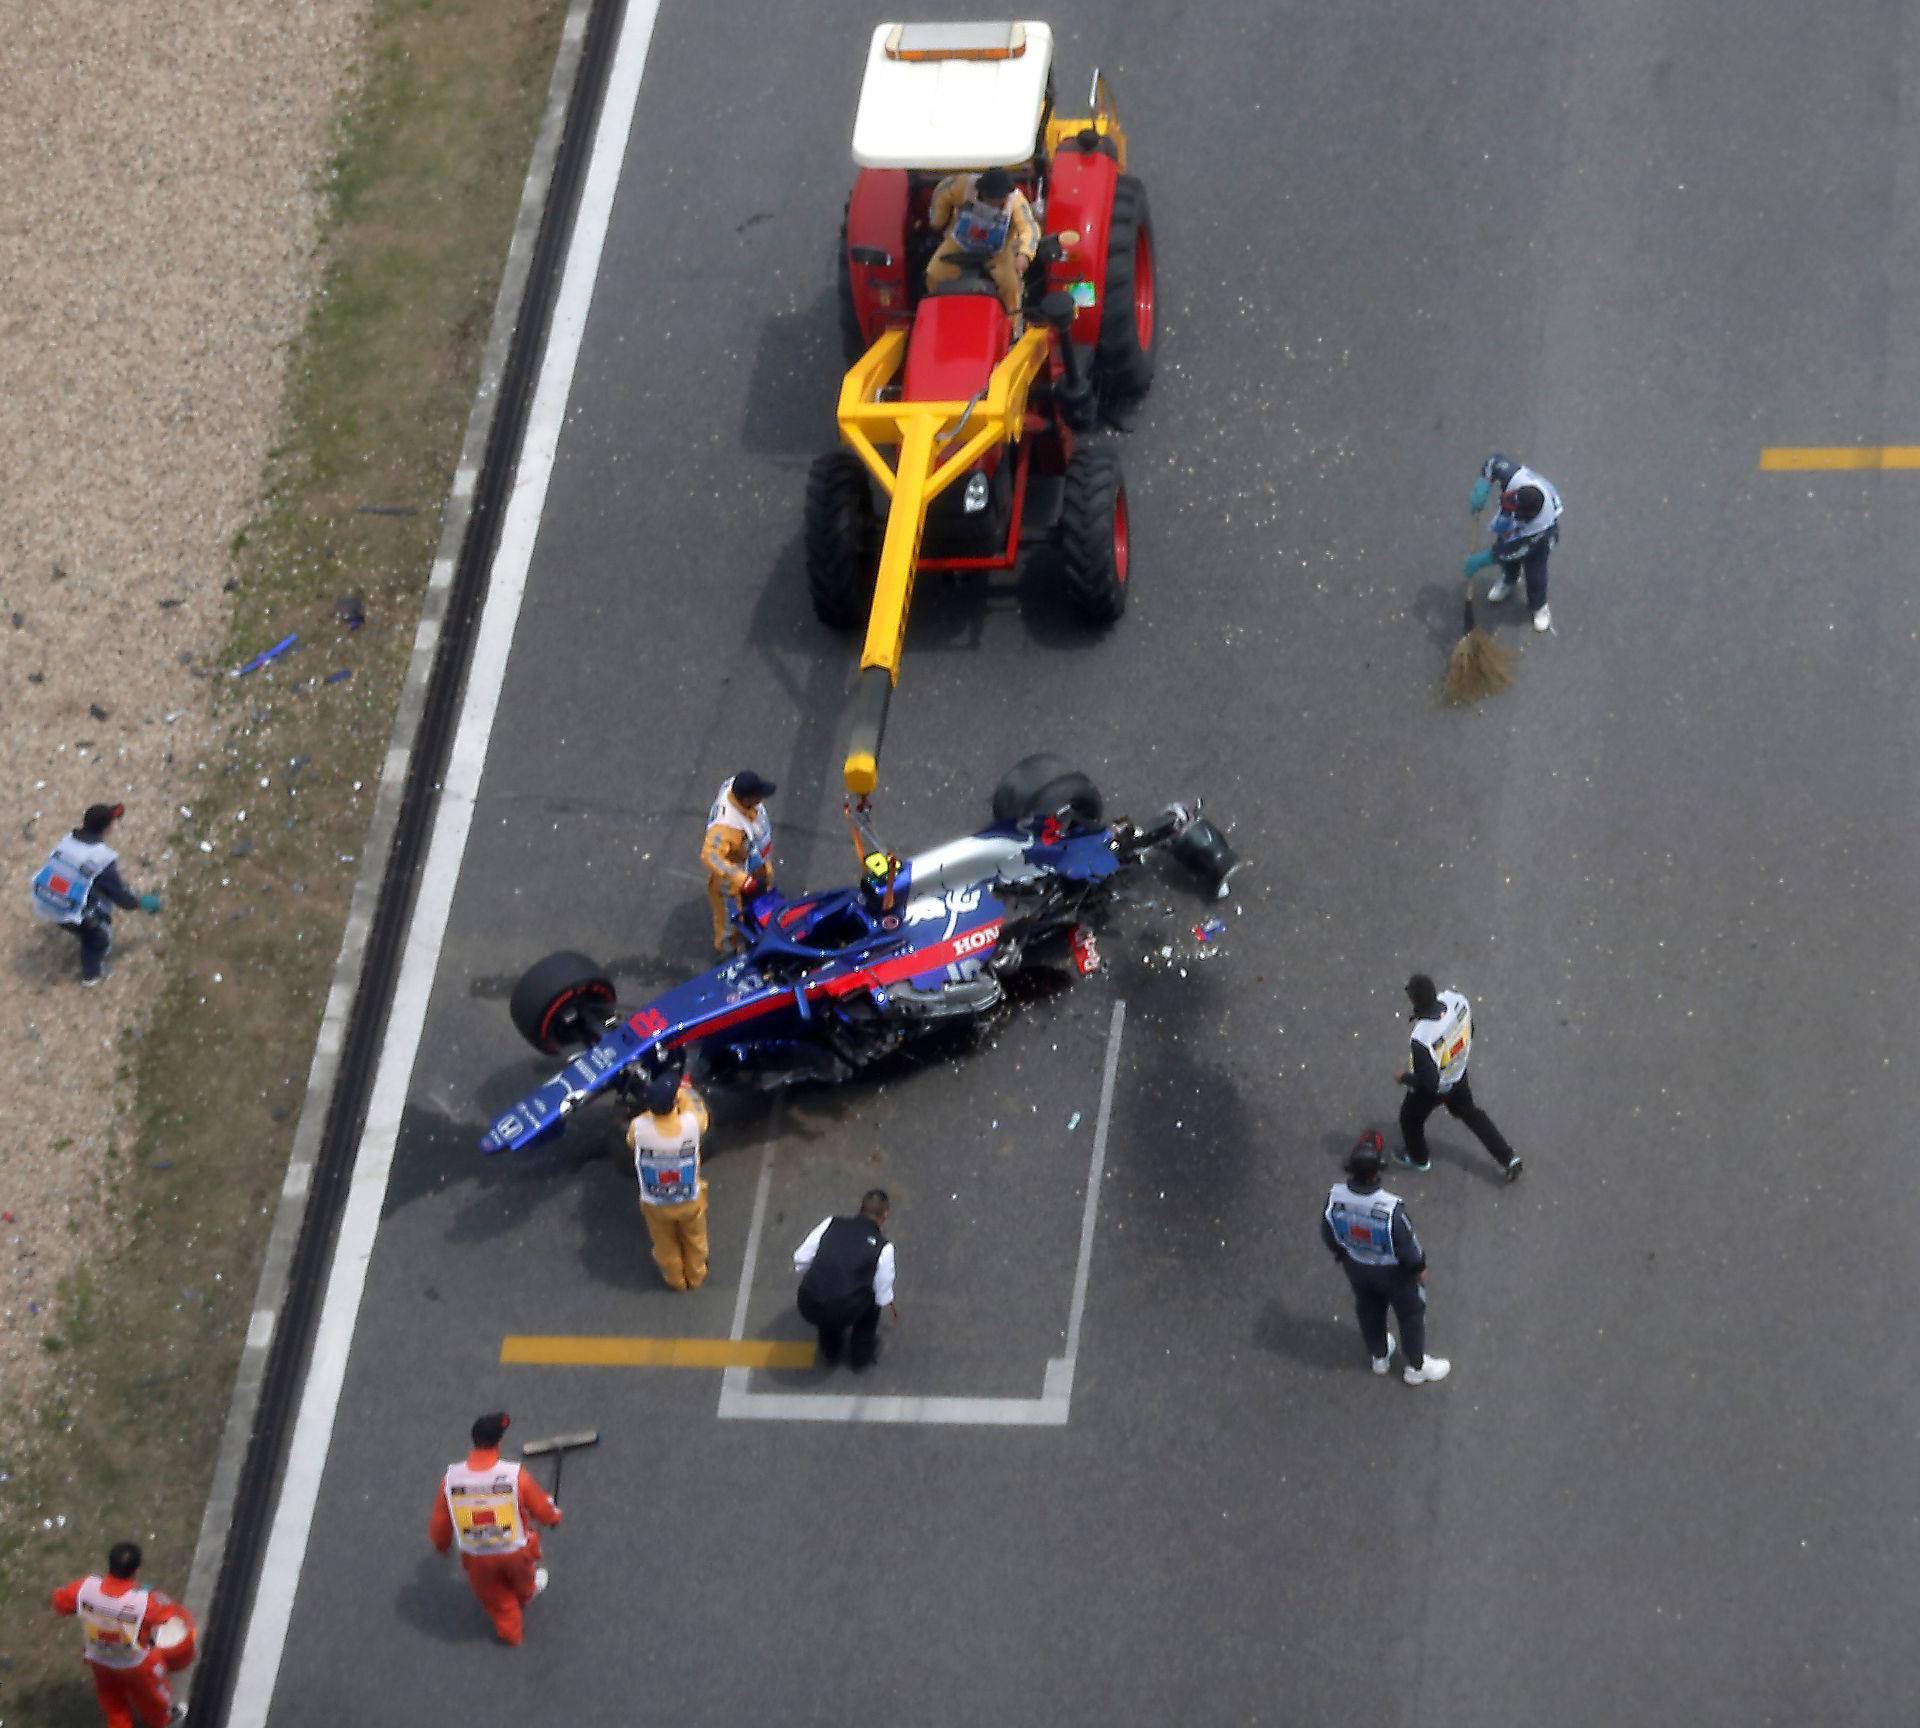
[{"x": 937, "y": 443}]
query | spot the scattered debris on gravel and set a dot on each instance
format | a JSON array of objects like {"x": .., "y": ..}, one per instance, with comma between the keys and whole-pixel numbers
[{"x": 162, "y": 166}]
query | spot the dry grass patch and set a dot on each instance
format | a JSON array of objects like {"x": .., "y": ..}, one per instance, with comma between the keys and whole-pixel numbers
[{"x": 424, "y": 188}]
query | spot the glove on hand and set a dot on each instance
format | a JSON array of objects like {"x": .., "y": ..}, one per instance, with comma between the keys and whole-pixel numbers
[
  {"x": 149, "y": 903},
  {"x": 1481, "y": 491},
  {"x": 1476, "y": 562}
]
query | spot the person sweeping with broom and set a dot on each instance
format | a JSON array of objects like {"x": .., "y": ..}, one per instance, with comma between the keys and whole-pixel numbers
[{"x": 1524, "y": 532}]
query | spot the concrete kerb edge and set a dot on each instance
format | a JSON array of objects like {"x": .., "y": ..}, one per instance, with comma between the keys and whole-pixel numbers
[{"x": 269, "y": 1297}]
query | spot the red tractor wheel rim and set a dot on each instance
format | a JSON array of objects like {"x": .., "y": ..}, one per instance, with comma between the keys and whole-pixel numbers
[
  {"x": 1121, "y": 538},
  {"x": 1143, "y": 287}
]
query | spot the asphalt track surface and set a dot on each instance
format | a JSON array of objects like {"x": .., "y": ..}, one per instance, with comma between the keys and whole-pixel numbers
[{"x": 1669, "y": 1480}]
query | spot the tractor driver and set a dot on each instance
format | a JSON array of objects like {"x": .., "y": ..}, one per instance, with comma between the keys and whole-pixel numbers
[{"x": 985, "y": 216}]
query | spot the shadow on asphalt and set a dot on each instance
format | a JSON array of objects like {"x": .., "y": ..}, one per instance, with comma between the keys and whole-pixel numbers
[
  {"x": 794, "y": 383},
  {"x": 1437, "y": 607},
  {"x": 436, "y": 1150},
  {"x": 1313, "y": 1340},
  {"x": 437, "y": 1601},
  {"x": 1468, "y": 1156}
]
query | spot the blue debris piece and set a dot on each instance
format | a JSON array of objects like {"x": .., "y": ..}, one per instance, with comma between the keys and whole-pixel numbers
[{"x": 261, "y": 659}]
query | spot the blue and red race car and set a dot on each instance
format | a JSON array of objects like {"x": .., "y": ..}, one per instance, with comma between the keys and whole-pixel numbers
[{"x": 830, "y": 983}]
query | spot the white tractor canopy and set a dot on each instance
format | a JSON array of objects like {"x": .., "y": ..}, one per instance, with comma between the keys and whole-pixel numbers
[{"x": 948, "y": 96}]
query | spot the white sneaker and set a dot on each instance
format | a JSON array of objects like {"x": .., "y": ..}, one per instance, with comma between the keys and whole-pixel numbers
[
  {"x": 1502, "y": 587},
  {"x": 1543, "y": 619},
  {"x": 540, "y": 1572},
  {"x": 1433, "y": 1368},
  {"x": 1382, "y": 1363}
]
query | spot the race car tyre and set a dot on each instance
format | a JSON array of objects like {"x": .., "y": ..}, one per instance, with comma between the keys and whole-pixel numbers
[
  {"x": 1123, "y": 357},
  {"x": 842, "y": 539},
  {"x": 561, "y": 1002},
  {"x": 1046, "y": 785},
  {"x": 1013, "y": 797},
  {"x": 852, "y": 343},
  {"x": 1095, "y": 552},
  {"x": 1072, "y": 797}
]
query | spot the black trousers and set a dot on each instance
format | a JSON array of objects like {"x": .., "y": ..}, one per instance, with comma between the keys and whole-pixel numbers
[
  {"x": 1416, "y": 1107},
  {"x": 858, "y": 1313},
  {"x": 95, "y": 934},
  {"x": 1532, "y": 569},
  {"x": 1378, "y": 1288}
]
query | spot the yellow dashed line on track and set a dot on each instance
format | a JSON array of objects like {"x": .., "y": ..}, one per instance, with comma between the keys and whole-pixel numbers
[
  {"x": 529, "y": 1351},
  {"x": 1800, "y": 458}
]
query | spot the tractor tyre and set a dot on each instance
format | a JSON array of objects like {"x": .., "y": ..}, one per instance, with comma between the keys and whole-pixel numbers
[
  {"x": 1095, "y": 537},
  {"x": 1046, "y": 785},
  {"x": 561, "y": 1002},
  {"x": 842, "y": 540},
  {"x": 852, "y": 343},
  {"x": 1123, "y": 357}
]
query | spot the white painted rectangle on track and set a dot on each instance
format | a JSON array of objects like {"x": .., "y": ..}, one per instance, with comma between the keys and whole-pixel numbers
[
  {"x": 1051, "y": 1409},
  {"x": 267, "y": 1628}
]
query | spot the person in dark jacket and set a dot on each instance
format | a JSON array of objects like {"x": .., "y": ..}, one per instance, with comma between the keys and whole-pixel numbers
[
  {"x": 848, "y": 1278},
  {"x": 1369, "y": 1233},
  {"x": 80, "y": 884},
  {"x": 1436, "y": 1077},
  {"x": 1525, "y": 532}
]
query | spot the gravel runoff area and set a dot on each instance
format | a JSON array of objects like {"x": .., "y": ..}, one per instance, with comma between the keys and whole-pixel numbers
[{"x": 164, "y": 164}]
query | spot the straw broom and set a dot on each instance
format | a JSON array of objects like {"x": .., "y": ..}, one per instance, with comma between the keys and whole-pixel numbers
[{"x": 1478, "y": 665}]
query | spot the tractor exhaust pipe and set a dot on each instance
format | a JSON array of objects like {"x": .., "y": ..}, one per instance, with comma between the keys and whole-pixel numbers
[{"x": 1075, "y": 388}]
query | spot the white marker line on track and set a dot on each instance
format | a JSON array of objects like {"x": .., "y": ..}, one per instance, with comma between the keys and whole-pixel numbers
[
  {"x": 346, "y": 1282},
  {"x": 760, "y": 1193},
  {"x": 1050, "y": 1410}
]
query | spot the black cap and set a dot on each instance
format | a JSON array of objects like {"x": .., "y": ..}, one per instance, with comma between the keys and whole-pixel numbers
[
  {"x": 1420, "y": 990},
  {"x": 662, "y": 1089},
  {"x": 487, "y": 1429},
  {"x": 1367, "y": 1157},
  {"x": 747, "y": 784},
  {"x": 100, "y": 817},
  {"x": 995, "y": 184}
]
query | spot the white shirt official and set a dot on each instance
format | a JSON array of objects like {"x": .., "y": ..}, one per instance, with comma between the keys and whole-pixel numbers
[{"x": 882, "y": 1273}]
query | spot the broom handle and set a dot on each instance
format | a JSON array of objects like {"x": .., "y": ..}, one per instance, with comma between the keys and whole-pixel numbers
[{"x": 1473, "y": 546}]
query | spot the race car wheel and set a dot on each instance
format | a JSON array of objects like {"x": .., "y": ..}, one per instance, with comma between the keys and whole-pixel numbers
[
  {"x": 842, "y": 539},
  {"x": 1013, "y": 797},
  {"x": 561, "y": 1003},
  {"x": 1095, "y": 535},
  {"x": 1046, "y": 785},
  {"x": 852, "y": 343},
  {"x": 1123, "y": 358}
]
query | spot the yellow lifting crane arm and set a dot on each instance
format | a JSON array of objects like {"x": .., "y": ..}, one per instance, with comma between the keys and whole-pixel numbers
[{"x": 938, "y": 442}]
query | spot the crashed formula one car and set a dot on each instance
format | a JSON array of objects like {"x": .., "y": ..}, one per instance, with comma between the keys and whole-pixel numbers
[{"x": 832, "y": 982}]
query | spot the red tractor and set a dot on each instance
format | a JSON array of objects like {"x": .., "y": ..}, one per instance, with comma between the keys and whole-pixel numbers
[{"x": 981, "y": 404}]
